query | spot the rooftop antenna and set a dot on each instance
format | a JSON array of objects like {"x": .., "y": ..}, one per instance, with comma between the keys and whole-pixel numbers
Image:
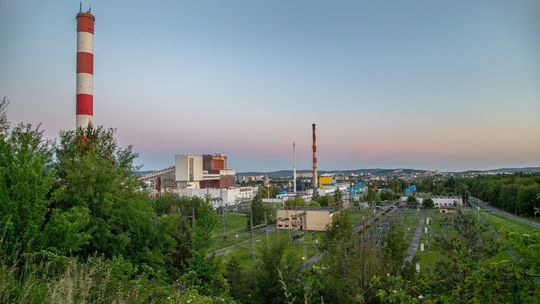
[
  {"x": 80, "y": 7},
  {"x": 90, "y": 8}
]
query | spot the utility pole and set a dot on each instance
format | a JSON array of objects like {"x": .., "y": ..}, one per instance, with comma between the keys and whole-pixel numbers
[
  {"x": 266, "y": 231},
  {"x": 251, "y": 229},
  {"x": 294, "y": 166}
]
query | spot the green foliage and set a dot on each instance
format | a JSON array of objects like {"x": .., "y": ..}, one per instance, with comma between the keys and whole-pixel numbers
[
  {"x": 388, "y": 195},
  {"x": 239, "y": 281},
  {"x": 394, "y": 248},
  {"x": 397, "y": 185},
  {"x": 338, "y": 199},
  {"x": 64, "y": 233},
  {"x": 203, "y": 273},
  {"x": 428, "y": 203},
  {"x": 516, "y": 193},
  {"x": 372, "y": 195},
  {"x": 269, "y": 283},
  {"x": 261, "y": 212},
  {"x": 26, "y": 181},
  {"x": 326, "y": 201}
]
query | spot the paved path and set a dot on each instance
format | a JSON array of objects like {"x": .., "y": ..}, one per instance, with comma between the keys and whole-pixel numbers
[
  {"x": 415, "y": 240},
  {"x": 486, "y": 206},
  {"x": 312, "y": 260}
]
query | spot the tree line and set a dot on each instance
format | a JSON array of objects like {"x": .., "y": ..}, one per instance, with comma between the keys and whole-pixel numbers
[{"x": 516, "y": 193}]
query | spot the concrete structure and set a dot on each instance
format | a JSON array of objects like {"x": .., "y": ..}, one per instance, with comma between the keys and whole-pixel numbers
[
  {"x": 448, "y": 210},
  {"x": 326, "y": 181},
  {"x": 221, "y": 197},
  {"x": 188, "y": 171},
  {"x": 207, "y": 171},
  {"x": 304, "y": 218},
  {"x": 439, "y": 201},
  {"x": 213, "y": 163},
  {"x": 446, "y": 201},
  {"x": 85, "y": 69}
]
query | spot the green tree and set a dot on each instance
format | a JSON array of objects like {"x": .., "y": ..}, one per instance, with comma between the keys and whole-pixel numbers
[
  {"x": 395, "y": 185},
  {"x": 326, "y": 200},
  {"x": 260, "y": 212},
  {"x": 428, "y": 203},
  {"x": 94, "y": 173},
  {"x": 238, "y": 281},
  {"x": 203, "y": 274},
  {"x": 27, "y": 178},
  {"x": 372, "y": 195},
  {"x": 338, "y": 199}
]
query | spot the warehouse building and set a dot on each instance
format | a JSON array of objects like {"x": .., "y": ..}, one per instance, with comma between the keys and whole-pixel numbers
[{"x": 304, "y": 218}]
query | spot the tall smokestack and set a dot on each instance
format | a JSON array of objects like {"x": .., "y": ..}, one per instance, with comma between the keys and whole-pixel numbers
[
  {"x": 85, "y": 68},
  {"x": 315, "y": 165}
]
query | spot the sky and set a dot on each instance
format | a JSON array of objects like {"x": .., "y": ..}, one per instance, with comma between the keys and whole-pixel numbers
[{"x": 448, "y": 85}]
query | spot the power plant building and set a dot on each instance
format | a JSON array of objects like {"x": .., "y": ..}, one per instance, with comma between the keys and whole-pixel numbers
[
  {"x": 200, "y": 172},
  {"x": 199, "y": 176}
]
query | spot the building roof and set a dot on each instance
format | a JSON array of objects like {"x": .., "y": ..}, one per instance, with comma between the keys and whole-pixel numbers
[{"x": 309, "y": 208}]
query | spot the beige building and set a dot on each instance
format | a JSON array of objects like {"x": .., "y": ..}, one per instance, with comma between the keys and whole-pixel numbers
[
  {"x": 304, "y": 218},
  {"x": 448, "y": 210}
]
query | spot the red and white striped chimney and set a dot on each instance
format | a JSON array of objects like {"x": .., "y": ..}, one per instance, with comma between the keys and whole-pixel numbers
[{"x": 85, "y": 68}]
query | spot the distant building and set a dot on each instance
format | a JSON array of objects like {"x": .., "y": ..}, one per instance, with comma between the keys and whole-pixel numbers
[
  {"x": 448, "y": 210},
  {"x": 304, "y": 218},
  {"x": 359, "y": 189},
  {"x": 201, "y": 172},
  {"x": 447, "y": 201},
  {"x": 326, "y": 181},
  {"x": 221, "y": 197},
  {"x": 410, "y": 190}
]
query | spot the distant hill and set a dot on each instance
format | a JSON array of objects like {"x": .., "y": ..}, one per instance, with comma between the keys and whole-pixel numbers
[
  {"x": 377, "y": 171},
  {"x": 503, "y": 170},
  {"x": 374, "y": 171}
]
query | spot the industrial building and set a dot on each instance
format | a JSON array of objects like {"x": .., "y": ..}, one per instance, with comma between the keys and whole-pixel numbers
[
  {"x": 199, "y": 176},
  {"x": 440, "y": 201},
  {"x": 207, "y": 171},
  {"x": 304, "y": 218},
  {"x": 326, "y": 181}
]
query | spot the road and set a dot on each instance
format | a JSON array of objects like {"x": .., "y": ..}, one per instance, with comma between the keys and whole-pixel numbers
[
  {"x": 413, "y": 248},
  {"x": 486, "y": 206}
]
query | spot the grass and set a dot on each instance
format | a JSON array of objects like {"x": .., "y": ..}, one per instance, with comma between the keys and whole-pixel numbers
[
  {"x": 504, "y": 224},
  {"x": 233, "y": 224},
  {"x": 533, "y": 219},
  {"x": 440, "y": 225},
  {"x": 241, "y": 252},
  {"x": 231, "y": 230},
  {"x": 355, "y": 215}
]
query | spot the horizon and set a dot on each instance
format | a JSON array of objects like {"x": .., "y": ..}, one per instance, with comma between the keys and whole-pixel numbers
[{"x": 432, "y": 86}]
